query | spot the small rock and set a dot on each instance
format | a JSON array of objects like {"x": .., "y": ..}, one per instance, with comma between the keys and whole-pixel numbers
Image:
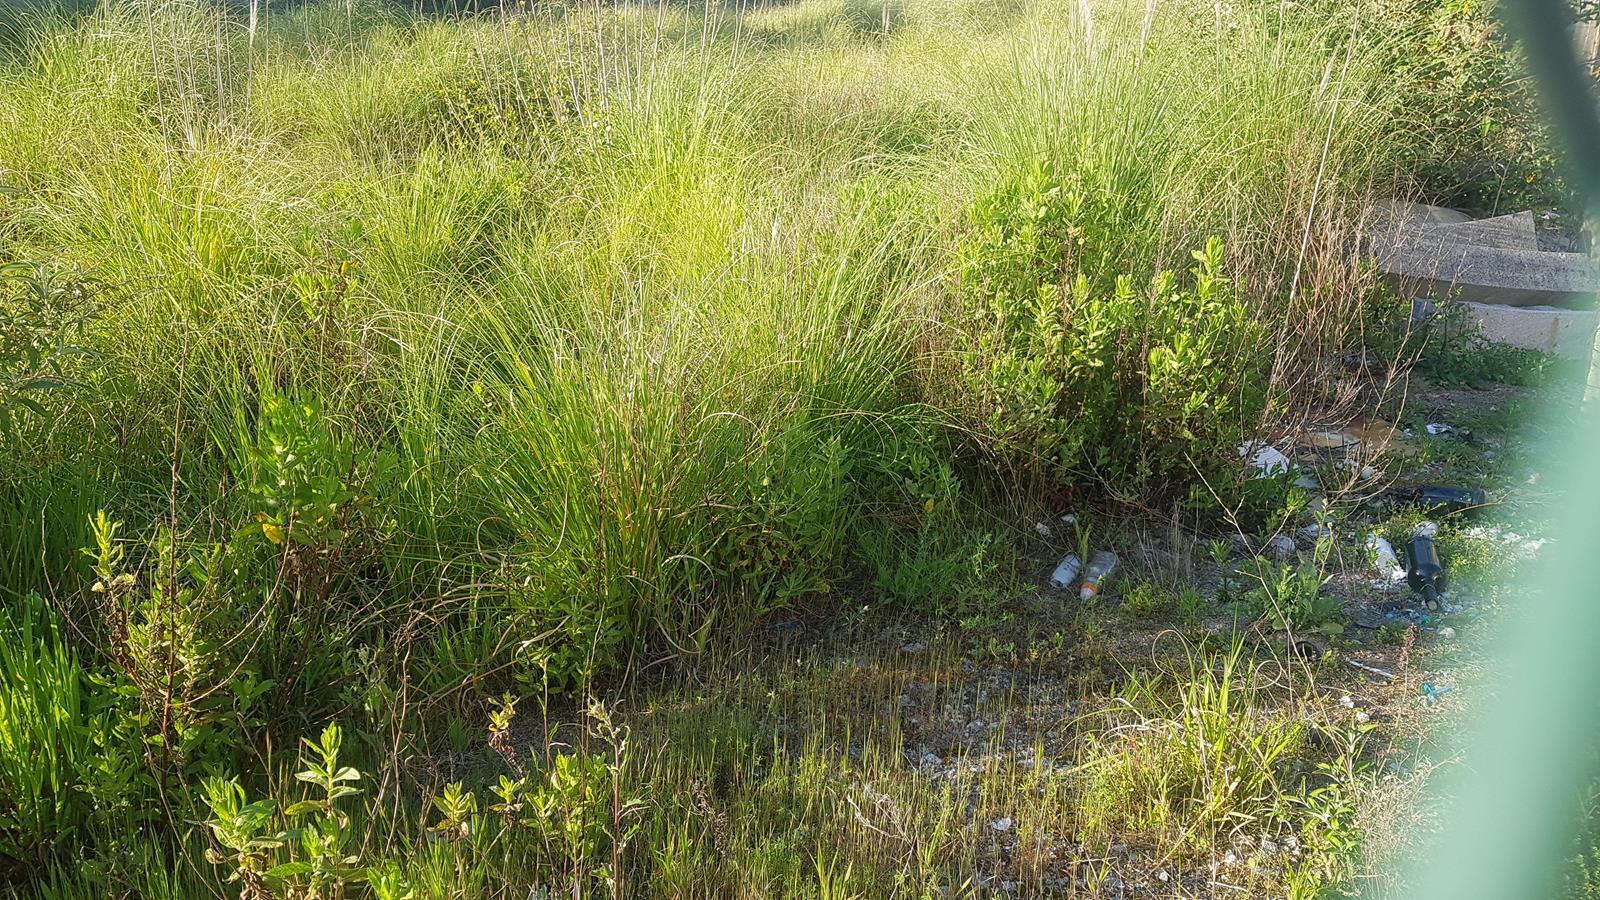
[
  {"x": 914, "y": 647},
  {"x": 1230, "y": 858},
  {"x": 1268, "y": 846},
  {"x": 1041, "y": 529},
  {"x": 1316, "y": 531},
  {"x": 1163, "y": 876},
  {"x": 1281, "y": 547},
  {"x": 1447, "y": 633},
  {"x": 1002, "y": 824}
]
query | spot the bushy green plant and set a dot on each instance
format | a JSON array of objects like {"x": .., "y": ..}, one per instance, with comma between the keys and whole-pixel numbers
[
  {"x": 298, "y": 470},
  {"x": 1075, "y": 369},
  {"x": 1144, "y": 599},
  {"x": 42, "y": 315},
  {"x": 299, "y": 849},
  {"x": 1291, "y": 597},
  {"x": 1478, "y": 139}
]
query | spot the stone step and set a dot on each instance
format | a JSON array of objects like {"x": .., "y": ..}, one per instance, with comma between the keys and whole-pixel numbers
[{"x": 1434, "y": 261}]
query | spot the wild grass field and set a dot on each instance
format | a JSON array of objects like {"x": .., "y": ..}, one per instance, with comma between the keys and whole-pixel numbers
[{"x": 593, "y": 449}]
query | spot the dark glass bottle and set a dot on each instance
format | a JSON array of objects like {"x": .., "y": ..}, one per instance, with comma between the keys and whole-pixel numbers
[
  {"x": 1454, "y": 499},
  {"x": 1424, "y": 571}
]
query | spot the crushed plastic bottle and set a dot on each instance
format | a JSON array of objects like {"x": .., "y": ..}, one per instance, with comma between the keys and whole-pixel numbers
[
  {"x": 1384, "y": 557},
  {"x": 1424, "y": 572},
  {"x": 1066, "y": 571},
  {"x": 1100, "y": 568}
]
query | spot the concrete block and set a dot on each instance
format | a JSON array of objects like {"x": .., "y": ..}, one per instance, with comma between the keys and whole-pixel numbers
[
  {"x": 1513, "y": 232},
  {"x": 1564, "y": 332},
  {"x": 1433, "y": 262}
]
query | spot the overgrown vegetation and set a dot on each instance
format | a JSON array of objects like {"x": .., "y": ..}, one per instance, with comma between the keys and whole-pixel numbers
[{"x": 382, "y": 376}]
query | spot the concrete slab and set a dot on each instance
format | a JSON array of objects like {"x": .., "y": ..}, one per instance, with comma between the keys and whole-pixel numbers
[
  {"x": 1434, "y": 262},
  {"x": 1564, "y": 332},
  {"x": 1513, "y": 232}
]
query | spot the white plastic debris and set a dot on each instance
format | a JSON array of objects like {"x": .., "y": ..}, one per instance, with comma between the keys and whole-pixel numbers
[
  {"x": 1426, "y": 529},
  {"x": 1384, "y": 558},
  {"x": 1068, "y": 518},
  {"x": 1438, "y": 428},
  {"x": 1266, "y": 459},
  {"x": 1506, "y": 538},
  {"x": 1447, "y": 633},
  {"x": 1002, "y": 824},
  {"x": 1041, "y": 529},
  {"x": 1066, "y": 572}
]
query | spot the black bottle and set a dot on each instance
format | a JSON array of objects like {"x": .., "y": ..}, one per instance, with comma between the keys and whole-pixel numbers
[
  {"x": 1424, "y": 572},
  {"x": 1438, "y": 496}
]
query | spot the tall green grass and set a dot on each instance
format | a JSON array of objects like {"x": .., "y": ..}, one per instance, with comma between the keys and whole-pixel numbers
[
  {"x": 459, "y": 353},
  {"x": 631, "y": 312}
]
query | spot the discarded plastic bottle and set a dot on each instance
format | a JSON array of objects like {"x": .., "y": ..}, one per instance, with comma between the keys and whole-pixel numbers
[
  {"x": 1066, "y": 572},
  {"x": 1100, "y": 568},
  {"x": 1383, "y": 556},
  {"x": 1454, "y": 499},
  {"x": 1425, "y": 573}
]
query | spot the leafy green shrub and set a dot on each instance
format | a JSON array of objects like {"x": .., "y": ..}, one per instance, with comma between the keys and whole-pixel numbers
[
  {"x": 794, "y": 510},
  {"x": 297, "y": 469},
  {"x": 303, "y": 849},
  {"x": 1454, "y": 351},
  {"x": 1075, "y": 369},
  {"x": 1290, "y": 597},
  {"x": 42, "y": 316},
  {"x": 1145, "y": 599},
  {"x": 1479, "y": 139}
]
